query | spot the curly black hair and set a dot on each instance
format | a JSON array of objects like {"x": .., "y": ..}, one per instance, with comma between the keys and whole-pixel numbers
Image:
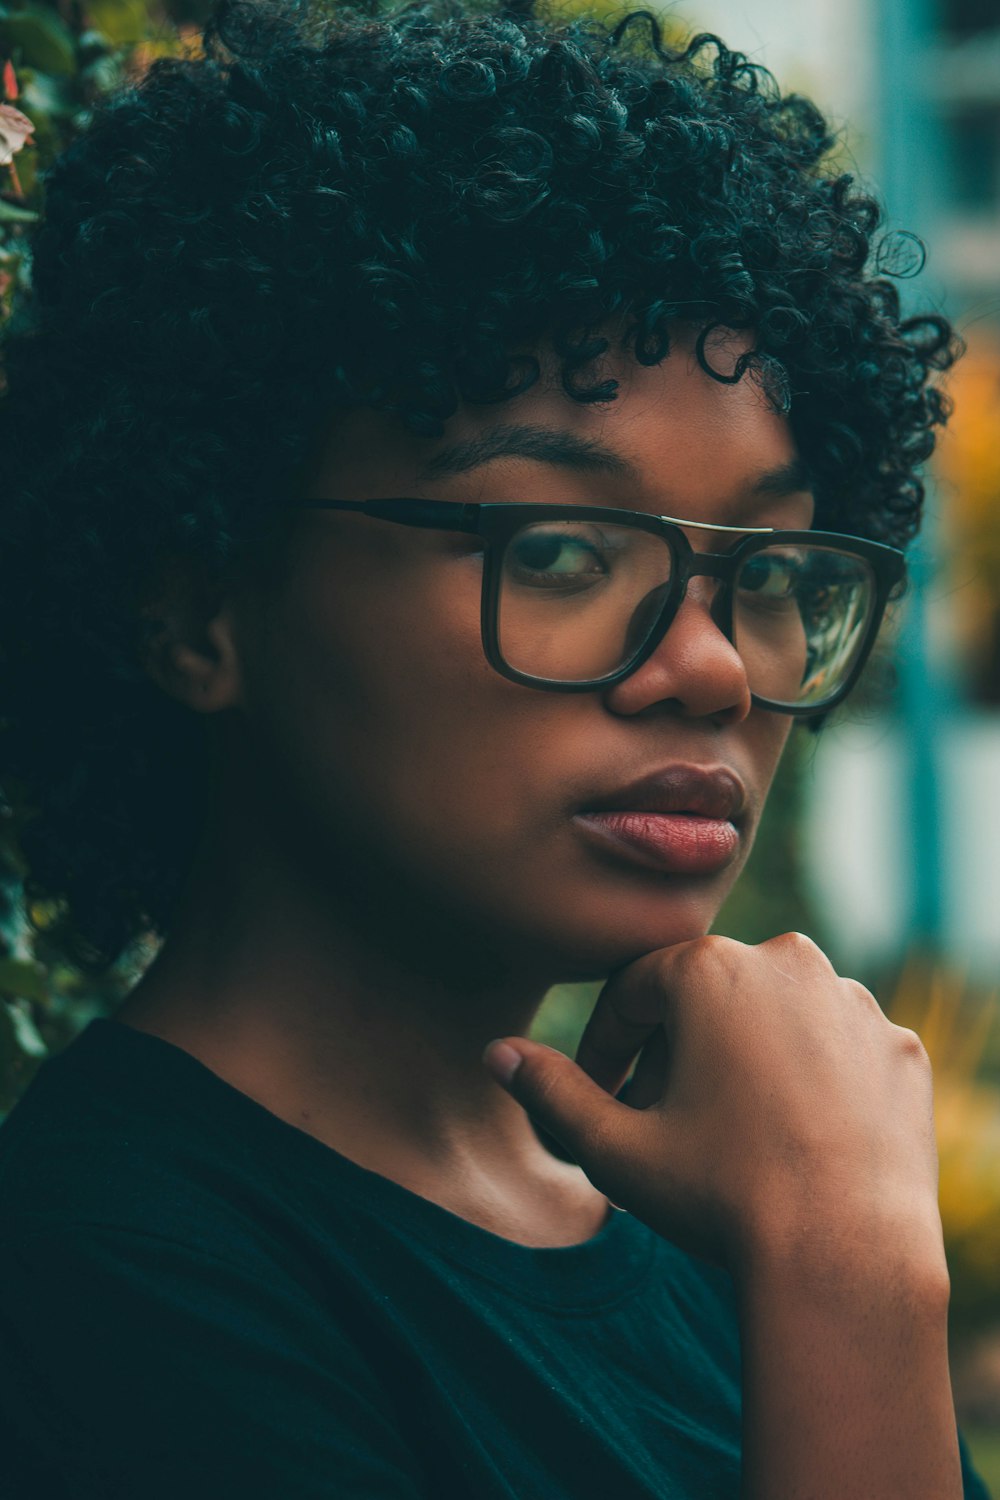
[{"x": 331, "y": 211}]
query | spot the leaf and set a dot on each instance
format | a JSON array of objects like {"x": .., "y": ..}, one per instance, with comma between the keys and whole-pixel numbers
[
  {"x": 18, "y": 1063},
  {"x": 25, "y": 1030},
  {"x": 41, "y": 37},
  {"x": 121, "y": 21},
  {"x": 10, "y": 213},
  {"x": 23, "y": 978},
  {"x": 44, "y": 95}
]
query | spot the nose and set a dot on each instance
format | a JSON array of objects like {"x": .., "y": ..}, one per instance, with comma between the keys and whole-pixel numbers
[{"x": 695, "y": 669}]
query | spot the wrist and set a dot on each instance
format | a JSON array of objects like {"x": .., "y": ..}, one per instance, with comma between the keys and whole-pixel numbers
[
  {"x": 846, "y": 1383},
  {"x": 836, "y": 1251}
]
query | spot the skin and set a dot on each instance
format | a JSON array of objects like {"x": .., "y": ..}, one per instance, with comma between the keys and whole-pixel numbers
[
  {"x": 392, "y": 876},
  {"x": 784, "y": 1129},
  {"x": 408, "y": 882}
]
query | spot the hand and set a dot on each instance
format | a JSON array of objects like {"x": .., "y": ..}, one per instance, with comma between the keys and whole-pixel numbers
[
  {"x": 779, "y": 1124},
  {"x": 773, "y": 1104}
]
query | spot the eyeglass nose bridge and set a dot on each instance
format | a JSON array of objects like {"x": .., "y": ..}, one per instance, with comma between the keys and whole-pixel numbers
[
  {"x": 691, "y": 564},
  {"x": 718, "y": 565}
]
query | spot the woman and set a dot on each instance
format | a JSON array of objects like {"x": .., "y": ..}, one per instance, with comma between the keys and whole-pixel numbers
[{"x": 475, "y": 442}]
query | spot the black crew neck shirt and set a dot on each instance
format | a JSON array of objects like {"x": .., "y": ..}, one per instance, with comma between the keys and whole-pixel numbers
[{"x": 198, "y": 1299}]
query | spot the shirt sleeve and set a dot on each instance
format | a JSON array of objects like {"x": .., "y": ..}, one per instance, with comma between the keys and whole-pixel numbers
[{"x": 134, "y": 1365}]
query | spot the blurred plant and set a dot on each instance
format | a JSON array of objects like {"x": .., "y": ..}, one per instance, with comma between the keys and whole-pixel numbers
[
  {"x": 968, "y": 464},
  {"x": 57, "y": 59},
  {"x": 770, "y": 896},
  {"x": 961, "y": 1032}
]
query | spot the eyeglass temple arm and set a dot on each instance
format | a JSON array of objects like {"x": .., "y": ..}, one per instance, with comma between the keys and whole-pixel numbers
[
  {"x": 442, "y": 515},
  {"x": 453, "y": 515}
]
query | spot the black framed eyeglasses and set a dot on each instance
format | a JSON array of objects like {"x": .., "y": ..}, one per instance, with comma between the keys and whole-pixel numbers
[{"x": 577, "y": 597}]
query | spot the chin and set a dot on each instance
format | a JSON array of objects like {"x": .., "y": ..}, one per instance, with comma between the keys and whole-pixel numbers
[{"x": 589, "y": 942}]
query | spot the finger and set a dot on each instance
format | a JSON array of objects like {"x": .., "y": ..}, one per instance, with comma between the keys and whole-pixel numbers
[
  {"x": 649, "y": 1081},
  {"x": 593, "y": 1126},
  {"x": 633, "y": 1004}
]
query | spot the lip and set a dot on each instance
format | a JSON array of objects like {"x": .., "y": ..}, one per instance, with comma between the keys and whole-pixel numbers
[{"x": 681, "y": 820}]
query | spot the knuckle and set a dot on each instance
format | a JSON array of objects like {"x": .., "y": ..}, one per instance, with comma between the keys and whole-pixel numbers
[
  {"x": 861, "y": 995},
  {"x": 665, "y": 971},
  {"x": 716, "y": 946},
  {"x": 717, "y": 942},
  {"x": 701, "y": 952},
  {"x": 796, "y": 943},
  {"x": 660, "y": 971},
  {"x": 912, "y": 1047},
  {"x": 651, "y": 972}
]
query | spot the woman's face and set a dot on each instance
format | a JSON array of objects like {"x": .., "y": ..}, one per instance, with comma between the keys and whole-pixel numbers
[{"x": 418, "y": 779}]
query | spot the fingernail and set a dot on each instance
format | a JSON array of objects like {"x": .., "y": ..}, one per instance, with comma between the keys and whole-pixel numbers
[{"x": 503, "y": 1061}]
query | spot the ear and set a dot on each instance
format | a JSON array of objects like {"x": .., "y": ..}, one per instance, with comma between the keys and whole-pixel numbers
[{"x": 189, "y": 640}]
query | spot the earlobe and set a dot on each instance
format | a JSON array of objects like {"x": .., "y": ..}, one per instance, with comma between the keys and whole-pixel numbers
[{"x": 198, "y": 668}]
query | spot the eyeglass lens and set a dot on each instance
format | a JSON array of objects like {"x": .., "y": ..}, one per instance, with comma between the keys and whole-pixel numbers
[
  {"x": 800, "y": 618},
  {"x": 579, "y": 599}
]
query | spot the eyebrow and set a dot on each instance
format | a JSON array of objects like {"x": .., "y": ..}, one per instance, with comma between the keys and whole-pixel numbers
[
  {"x": 788, "y": 479},
  {"x": 563, "y": 449},
  {"x": 567, "y": 451}
]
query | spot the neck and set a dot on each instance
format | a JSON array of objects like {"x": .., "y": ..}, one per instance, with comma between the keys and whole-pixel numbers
[{"x": 360, "y": 1023}]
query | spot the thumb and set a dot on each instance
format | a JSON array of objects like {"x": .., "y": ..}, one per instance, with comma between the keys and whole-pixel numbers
[{"x": 565, "y": 1101}]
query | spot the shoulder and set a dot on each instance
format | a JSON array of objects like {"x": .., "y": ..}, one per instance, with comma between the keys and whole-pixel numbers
[
  {"x": 153, "y": 1282},
  {"x": 161, "y": 1366},
  {"x": 114, "y": 1134}
]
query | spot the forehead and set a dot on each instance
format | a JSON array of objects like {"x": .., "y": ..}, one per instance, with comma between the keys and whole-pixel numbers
[{"x": 674, "y": 430}]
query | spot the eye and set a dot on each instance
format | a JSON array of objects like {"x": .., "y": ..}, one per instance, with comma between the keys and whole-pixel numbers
[
  {"x": 770, "y": 575},
  {"x": 558, "y": 556}
]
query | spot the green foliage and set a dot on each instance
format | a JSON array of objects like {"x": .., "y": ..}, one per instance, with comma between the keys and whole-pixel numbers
[
  {"x": 959, "y": 1024},
  {"x": 56, "y": 60},
  {"x": 770, "y": 896},
  {"x": 984, "y": 1447},
  {"x": 13, "y": 213},
  {"x": 36, "y": 35}
]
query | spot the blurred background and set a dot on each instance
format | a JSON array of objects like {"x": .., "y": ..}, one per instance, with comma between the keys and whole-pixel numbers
[{"x": 882, "y": 839}]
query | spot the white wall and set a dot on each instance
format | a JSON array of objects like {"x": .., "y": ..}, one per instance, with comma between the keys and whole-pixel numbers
[
  {"x": 819, "y": 47},
  {"x": 855, "y": 841}
]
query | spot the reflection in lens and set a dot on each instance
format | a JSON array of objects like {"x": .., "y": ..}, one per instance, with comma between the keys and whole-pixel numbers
[
  {"x": 800, "y": 619},
  {"x": 579, "y": 598}
]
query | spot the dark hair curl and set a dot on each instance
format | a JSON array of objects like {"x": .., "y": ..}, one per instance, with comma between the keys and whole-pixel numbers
[{"x": 326, "y": 213}]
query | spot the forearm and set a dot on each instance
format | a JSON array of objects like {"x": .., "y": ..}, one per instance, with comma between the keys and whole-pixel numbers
[{"x": 847, "y": 1393}]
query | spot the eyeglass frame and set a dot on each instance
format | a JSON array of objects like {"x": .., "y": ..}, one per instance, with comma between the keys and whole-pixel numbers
[{"x": 497, "y": 522}]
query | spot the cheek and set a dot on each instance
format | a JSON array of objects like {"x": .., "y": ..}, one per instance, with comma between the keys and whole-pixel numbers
[
  {"x": 768, "y": 737},
  {"x": 382, "y": 707},
  {"x": 397, "y": 757}
]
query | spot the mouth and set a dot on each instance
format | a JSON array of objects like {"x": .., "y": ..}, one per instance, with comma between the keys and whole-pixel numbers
[{"x": 683, "y": 820}]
